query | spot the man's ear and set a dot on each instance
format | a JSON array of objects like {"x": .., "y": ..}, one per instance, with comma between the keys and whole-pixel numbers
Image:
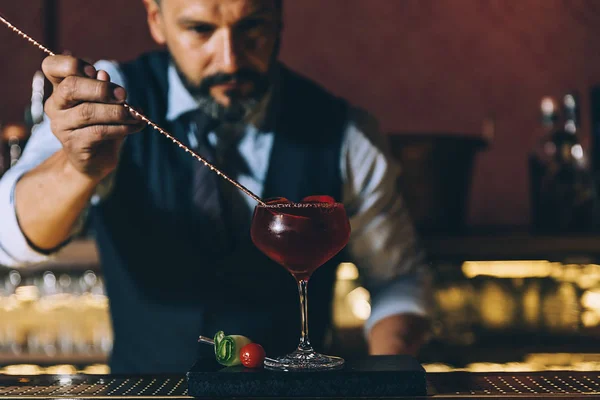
[{"x": 155, "y": 21}]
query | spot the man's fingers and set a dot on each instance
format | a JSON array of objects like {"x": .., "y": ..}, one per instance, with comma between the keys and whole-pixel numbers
[
  {"x": 57, "y": 68},
  {"x": 89, "y": 114},
  {"x": 74, "y": 90},
  {"x": 103, "y": 76},
  {"x": 98, "y": 133}
]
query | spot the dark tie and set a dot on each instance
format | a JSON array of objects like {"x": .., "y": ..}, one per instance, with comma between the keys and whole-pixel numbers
[
  {"x": 207, "y": 204},
  {"x": 231, "y": 162},
  {"x": 219, "y": 205}
]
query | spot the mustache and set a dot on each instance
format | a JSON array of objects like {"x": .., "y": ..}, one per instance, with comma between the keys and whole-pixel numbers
[{"x": 220, "y": 78}]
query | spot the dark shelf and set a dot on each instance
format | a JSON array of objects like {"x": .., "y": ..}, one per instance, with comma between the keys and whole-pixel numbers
[{"x": 487, "y": 244}]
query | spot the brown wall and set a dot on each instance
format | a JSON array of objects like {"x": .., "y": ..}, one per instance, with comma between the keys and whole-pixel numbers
[
  {"x": 18, "y": 61},
  {"x": 418, "y": 65}
]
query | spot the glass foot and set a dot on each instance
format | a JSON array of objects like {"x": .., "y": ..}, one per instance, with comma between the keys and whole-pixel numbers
[{"x": 304, "y": 361}]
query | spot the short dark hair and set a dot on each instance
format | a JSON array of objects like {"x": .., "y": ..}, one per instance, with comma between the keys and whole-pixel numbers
[{"x": 278, "y": 4}]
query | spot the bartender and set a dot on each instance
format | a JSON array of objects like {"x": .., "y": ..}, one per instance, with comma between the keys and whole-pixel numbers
[{"x": 173, "y": 238}]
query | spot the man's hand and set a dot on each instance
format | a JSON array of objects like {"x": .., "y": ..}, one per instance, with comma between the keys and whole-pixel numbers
[
  {"x": 398, "y": 334},
  {"x": 87, "y": 115}
]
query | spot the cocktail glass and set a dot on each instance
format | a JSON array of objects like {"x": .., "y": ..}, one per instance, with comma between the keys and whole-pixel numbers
[{"x": 301, "y": 237}]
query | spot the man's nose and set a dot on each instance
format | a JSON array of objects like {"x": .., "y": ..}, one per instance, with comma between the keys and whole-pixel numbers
[{"x": 227, "y": 50}]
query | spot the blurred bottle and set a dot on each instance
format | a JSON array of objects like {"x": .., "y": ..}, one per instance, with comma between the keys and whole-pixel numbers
[
  {"x": 562, "y": 186},
  {"x": 595, "y": 129},
  {"x": 34, "y": 112},
  {"x": 541, "y": 157},
  {"x": 13, "y": 138}
]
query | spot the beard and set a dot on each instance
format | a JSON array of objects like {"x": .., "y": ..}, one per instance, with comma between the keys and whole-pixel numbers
[{"x": 240, "y": 106}]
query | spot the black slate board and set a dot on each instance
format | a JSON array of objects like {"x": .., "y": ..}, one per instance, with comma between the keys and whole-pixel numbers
[{"x": 375, "y": 376}]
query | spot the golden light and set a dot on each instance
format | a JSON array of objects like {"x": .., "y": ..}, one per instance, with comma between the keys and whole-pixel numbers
[
  {"x": 27, "y": 293},
  {"x": 485, "y": 367},
  {"x": 96, "y": 369},
  {"x": 23, "y": 369},
  {"x": 452, "y": 298},
  {"x": 590, "y": 319},
  {"x": 591, "y": 299},
  {"x": 347, "y": 272},
  {"x": 359, "y": 300},
  {"x": 496, "y": 305},
  {"x": 589, "y": 277},
  {"x": 571, "y": 272},
  {"x": 532, "y": 304},
  {"x": 508, "y": 269},
  {"x": 438, "y": 367},
  {"x": 531, "y": 362},
  {"x": 62, "y": 369}
]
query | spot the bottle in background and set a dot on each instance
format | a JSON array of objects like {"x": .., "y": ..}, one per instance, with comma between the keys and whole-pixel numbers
[
  {"x": 14, "y": 137},
  {"x": 595, "y": 127},
  {"x": 563, "y": 188},
  {"x": 542, "y": 158}
]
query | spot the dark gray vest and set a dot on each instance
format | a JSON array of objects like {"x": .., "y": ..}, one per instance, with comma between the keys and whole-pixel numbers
[{"x": 165, "y": 286}]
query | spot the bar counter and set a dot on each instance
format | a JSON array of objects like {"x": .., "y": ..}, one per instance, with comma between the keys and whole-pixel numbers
[{"x": 449, "y": 385}]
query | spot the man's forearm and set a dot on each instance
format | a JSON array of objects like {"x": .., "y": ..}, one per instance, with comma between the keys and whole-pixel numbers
[
  {"x": 398, "y": 334},
  {"x": 49, "y": 199}
]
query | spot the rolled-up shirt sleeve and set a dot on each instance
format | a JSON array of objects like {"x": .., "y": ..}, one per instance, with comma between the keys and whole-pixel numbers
[
  {"x": 15, "y": 250},
  {"x": 383, "y": 243},
  {"x": 14, "y": 247}
]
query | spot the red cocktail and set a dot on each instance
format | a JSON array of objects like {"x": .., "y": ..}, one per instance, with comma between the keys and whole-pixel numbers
[{"x": 301, "y": 237}]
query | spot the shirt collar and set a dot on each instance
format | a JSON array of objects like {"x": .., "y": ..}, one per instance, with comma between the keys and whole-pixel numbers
[{"x": 181, "y": 101}]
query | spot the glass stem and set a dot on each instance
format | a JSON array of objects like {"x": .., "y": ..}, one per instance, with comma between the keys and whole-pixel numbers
[{"x": 303, "y": 291}]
